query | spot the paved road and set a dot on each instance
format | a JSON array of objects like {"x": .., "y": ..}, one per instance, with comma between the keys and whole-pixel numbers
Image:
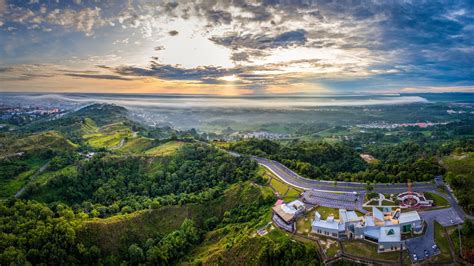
[
  {"x": 296, "y": 180},
  {"x": 293, "y": 179},
  {"x": 290, "y": 177},
  {"x": 452, "y": 200}
]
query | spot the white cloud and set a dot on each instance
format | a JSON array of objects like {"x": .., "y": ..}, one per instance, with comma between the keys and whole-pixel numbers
[{"x": 84, "y": 20}]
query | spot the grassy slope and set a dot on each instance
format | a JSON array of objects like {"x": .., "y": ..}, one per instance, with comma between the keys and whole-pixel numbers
[
  {"x": 240, "y": 245},
  {"x": 442, "y": 242},
  {"x": 136, "y": 145},
  {"x": 108, "y": 136},
  {"x": 35, "y": 142},
  {"x": 110, "y": 234},
  {"x": 167, "y": 148},
  {"x": 44, "y": 193},
  {"x": 11, "y": 186},
  {"x": 31, "y": 144},
  {"x": 460, "y": 164},
  {"x": 111, "y": 135}
]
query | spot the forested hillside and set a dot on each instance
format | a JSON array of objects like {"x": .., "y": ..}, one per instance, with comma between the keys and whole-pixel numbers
[
  {"x": 93, "y": 187},
  {"x": 342, "y": 162}
]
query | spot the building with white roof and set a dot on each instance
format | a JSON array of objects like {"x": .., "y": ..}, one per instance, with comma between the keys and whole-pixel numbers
[
  {"x": 381, "y": 227},
  {"x": 284, "y": 214},
  {"x": 330, "y": 227}
]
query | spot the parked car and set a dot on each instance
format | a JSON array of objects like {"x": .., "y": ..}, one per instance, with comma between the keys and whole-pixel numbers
[
  {"x": 435, "y": 247},
  {"x": 426, "y": 253},
  {"x": 414, "y": 257}
]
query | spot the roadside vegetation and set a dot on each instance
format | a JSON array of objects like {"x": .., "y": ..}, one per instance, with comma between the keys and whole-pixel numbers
[
  {"x": 460, "y": 176},
  {"x": 466, "y": 232},
  {"x": 341, "y": 162}
]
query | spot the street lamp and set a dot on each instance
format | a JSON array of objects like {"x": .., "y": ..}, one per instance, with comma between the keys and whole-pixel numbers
[{"x": 460, "y": 245}]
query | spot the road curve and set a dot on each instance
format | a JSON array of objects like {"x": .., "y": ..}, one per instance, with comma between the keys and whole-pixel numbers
[{"x": 293, "y": 179}]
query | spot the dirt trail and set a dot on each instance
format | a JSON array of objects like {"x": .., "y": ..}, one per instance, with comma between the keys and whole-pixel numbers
[{"x": 40, "y": 171}]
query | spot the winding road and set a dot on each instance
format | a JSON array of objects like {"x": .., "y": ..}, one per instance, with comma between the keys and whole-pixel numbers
[{"x": 293, "y": 179}]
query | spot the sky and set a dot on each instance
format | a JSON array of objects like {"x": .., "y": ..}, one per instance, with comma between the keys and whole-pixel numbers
[{"x": 236, "y": 47}]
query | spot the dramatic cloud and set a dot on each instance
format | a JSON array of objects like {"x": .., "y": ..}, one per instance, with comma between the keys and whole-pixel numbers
[
  {"x": 111, "y": 77},
  {"x": 175, "y": 73},
  {"x": 252, "y": 45},
  {"x": 296, "y": 37}
]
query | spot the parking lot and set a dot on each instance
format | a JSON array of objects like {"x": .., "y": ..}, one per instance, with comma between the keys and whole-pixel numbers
[
  {"x": 348, "y": 201},
  {"x": 446, "y": 217},
  {"x": 418, "y": 245}
]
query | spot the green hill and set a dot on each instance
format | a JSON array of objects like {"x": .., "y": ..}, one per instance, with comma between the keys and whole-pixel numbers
[
  {"x": 21, "y": 157},
  {"x": 113, "y": 235},
  {"x": 50, "y": 140}
]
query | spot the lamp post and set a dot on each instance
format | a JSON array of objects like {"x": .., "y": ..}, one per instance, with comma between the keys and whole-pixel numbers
[{"x": 460, "y": 245}]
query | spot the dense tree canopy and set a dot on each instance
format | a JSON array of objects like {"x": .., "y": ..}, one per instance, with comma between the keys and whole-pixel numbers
[
  {"x": 341, "y": 161},
  {"x": 111, "y": 184}
]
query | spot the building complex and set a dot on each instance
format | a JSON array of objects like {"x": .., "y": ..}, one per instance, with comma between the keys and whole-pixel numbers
[{"x": 384, "y": 227}]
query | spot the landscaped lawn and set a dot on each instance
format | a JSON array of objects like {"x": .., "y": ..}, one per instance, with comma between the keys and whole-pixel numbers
[
  {"x": 442, "y": 242},
  {"x": 437, "y": 199},
  {"x": 326, "y": 211},
  {"x": 388, "y": 203},
  {"x": 303, "y": 224},
  {"x": 362, "y": 248}
]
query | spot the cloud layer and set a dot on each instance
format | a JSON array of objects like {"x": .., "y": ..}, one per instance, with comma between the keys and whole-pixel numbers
[{"x": 251, "y": 46}]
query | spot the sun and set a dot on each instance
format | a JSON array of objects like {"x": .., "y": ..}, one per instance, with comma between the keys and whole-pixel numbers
[{"x": 230, "y": 78}]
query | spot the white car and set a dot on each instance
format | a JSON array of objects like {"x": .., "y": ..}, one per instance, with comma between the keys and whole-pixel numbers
[{"x": 414, "y": 257}]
